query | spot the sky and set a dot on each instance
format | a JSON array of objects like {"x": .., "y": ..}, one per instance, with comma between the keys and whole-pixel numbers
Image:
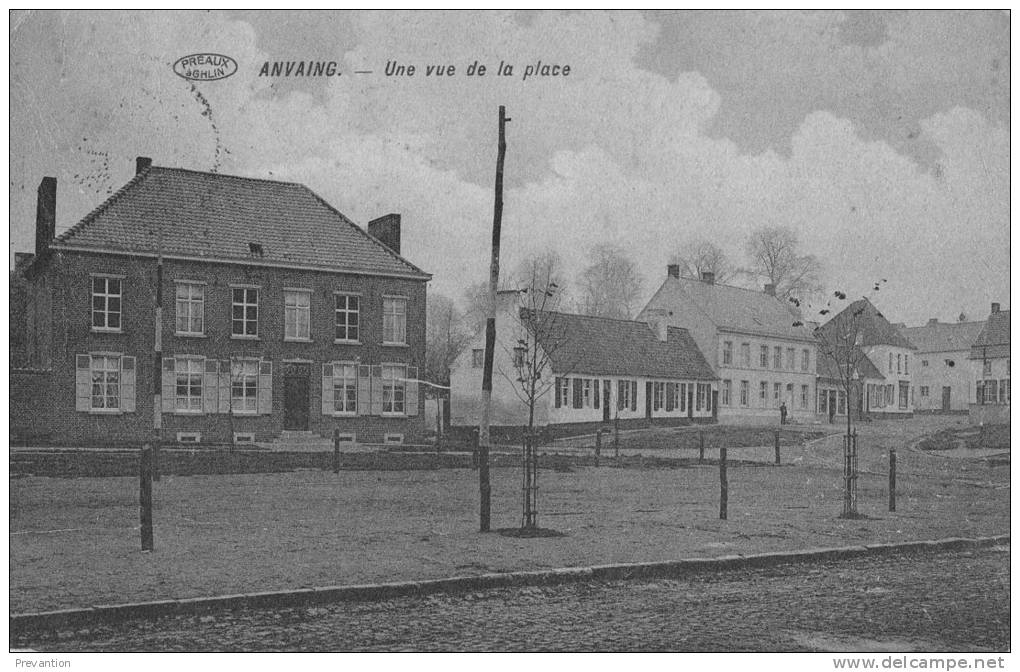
[{"x": 881, "y": 139}]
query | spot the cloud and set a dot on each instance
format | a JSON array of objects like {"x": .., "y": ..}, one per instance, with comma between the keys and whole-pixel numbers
[{"x": 613, "y": 152}]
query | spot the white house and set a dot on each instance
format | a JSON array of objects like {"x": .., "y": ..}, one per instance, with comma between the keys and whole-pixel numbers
[
  {"x": 989, "y": 359},
  {"x": 750, "y": 339},
  {"x": 943, "y": 377},
  {"x": 598, "y": 370}
]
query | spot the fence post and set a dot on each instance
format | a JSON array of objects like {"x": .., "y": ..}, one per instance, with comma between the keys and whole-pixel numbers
[
  {"x": 777, "y": 446},
  {"x": 336, "y": 451},
  {"x": 701, "y": 447},
  {"x": 598, "y": 446},
  {"x": 723, "y": 485},
  {"x": 145, "y": 496},
  {"x": 892, "y": 479},
  {"x": 616, "y": 439}
]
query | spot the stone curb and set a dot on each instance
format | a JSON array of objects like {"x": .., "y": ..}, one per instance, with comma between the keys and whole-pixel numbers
[{"x": 70, "y": 618}]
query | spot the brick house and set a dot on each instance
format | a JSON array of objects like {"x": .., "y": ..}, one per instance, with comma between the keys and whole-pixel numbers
[
  {"x": 762, "y": 360},
  {"x": 989, "y": 362},
  {"x": 277, "y": 313},
  {"x": 943, "y": 379},
  {"x": 600, "y": 370},
  {"x": 888, "y": 394}
]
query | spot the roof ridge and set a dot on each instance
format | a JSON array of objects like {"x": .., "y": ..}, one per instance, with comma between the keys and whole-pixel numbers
[
  {"x": 135, "y": 180},
  {"x": 757, "y": 292},
  {"x": 234, "y": 177},
  {"x": 597, "y": 317},
  {"x": 357, "y": 228}
]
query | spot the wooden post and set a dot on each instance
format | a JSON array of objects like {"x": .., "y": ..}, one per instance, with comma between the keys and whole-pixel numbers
[
  {"x": 777, "y": 447},
  {"x": 474, "y": 449},
  {"x": 892, "y": 479},
  {"x": 145, "y": 496},
  {"x": 701, "y": 447},
  {"x": 484, "y": 440},
  {"x": 598, "y": 446},
  {"x": 336, "y": 451},
  {"x": 723, "y": 484},
  {"x": 616, "y": 439},
  {"x": 155, "y": 459}
]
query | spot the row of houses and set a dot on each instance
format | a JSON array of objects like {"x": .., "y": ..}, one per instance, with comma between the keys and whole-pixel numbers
[
  {"x": 210, "y": 308},
  {"x": 701, "y": 351}
]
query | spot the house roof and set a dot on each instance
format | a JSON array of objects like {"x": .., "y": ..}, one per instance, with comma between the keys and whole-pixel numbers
[
  {"x": 735, "y": 308},
  {"x": 943, "y": 336},
  {"x": 993, "y": 341},
  {"x": 874, "y": 329},
  {"x": 217, "y": 217},
  {"x": 609, "y": 347},
  {"x": 827, "y": 367}
]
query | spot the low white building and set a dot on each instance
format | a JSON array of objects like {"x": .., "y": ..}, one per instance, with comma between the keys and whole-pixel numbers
[
  {"x": 943, "y": 378},
  {"x": 597, "y": 370}
]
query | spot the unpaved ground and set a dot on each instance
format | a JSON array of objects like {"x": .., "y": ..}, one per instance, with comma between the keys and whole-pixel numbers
[{"x": 74, "y": 542}]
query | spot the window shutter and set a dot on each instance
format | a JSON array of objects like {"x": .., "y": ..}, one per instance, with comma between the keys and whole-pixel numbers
[
  {"x": 669, "y": 396},
  {"x": 559, "y": 381},
  {"x": 633, "y": 395},
  {"x": 127, "y": 384},
  {"x": 327, "y": 389},
  {"x": 210, "y": 381},
  {"x": 265, "y": 388},
  {"x": 578, "y": 393},
  {"x": 82, "y": 383},
  {"x": 224, "y": 386},
  {"x": 595, "y": 385},
  {"x": 377, "y": 391},
  {"x": 169, "y": 387},
  {"x": 364, "y": 390},
  {"x": 411, "y": 392}
]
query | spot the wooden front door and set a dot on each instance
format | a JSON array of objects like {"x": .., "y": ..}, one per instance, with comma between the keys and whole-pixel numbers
[
  {"x": 946, "y": 394},
  {"x": 607, "y": 390},
  {"x": 295, "y": 396}
]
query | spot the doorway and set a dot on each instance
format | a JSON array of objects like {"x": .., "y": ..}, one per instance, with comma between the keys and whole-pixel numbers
[
  {"x": 946, "y": 394},
  {"x": 607, "y": 389},
  {"x": 295, "y": 396}
]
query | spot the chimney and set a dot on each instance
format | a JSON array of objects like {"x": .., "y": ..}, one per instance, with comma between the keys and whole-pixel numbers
[
  {"x": 673, "y": 270},
  {"x": 933, "y": 320},
  {"x": 708, "y": 278},
  {"x": 142, "y": 163},
  {"x": 770, "y": 289},
  {"x": 995, "y": 308},
  {"x": 45, "y": 215},
  {"x": 656, "y": 319},
  {"x": 387, "y": 230}
]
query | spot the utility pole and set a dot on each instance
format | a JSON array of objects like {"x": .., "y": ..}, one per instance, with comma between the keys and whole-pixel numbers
[
  {"x": 157, "y": 378},
  {"x": 484, "y": 441}
]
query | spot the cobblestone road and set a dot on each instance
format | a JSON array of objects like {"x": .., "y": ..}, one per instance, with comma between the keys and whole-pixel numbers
[{"x": 955, "y": 601}]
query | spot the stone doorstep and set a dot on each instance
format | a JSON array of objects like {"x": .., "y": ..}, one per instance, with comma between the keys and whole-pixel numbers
[{"x": 65, "y": 618}]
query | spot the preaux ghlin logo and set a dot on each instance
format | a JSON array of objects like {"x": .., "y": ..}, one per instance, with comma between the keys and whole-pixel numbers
[{"x": 205, "y": 67}]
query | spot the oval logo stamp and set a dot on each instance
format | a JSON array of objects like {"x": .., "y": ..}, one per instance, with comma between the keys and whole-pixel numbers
[{"x": 205, "y": 67}]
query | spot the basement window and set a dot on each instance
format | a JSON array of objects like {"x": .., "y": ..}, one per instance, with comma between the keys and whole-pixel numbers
[
  {"x": 244, "y": 438},
  {"x": 189, "y": 437},
  {"x": 393, "y": 439}
]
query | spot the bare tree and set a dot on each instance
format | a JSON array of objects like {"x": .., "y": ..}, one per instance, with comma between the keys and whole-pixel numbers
[
  {"x": 446, "y": 336},
  {"x": 476, "y": 305},
  {"x": 703, "y": 256},
  {"x": 610, "y": 285},
  {"x": 774, "y": 255},
  {"x": 840, "y": 341},
  {"x": 539, "y": 333}
]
